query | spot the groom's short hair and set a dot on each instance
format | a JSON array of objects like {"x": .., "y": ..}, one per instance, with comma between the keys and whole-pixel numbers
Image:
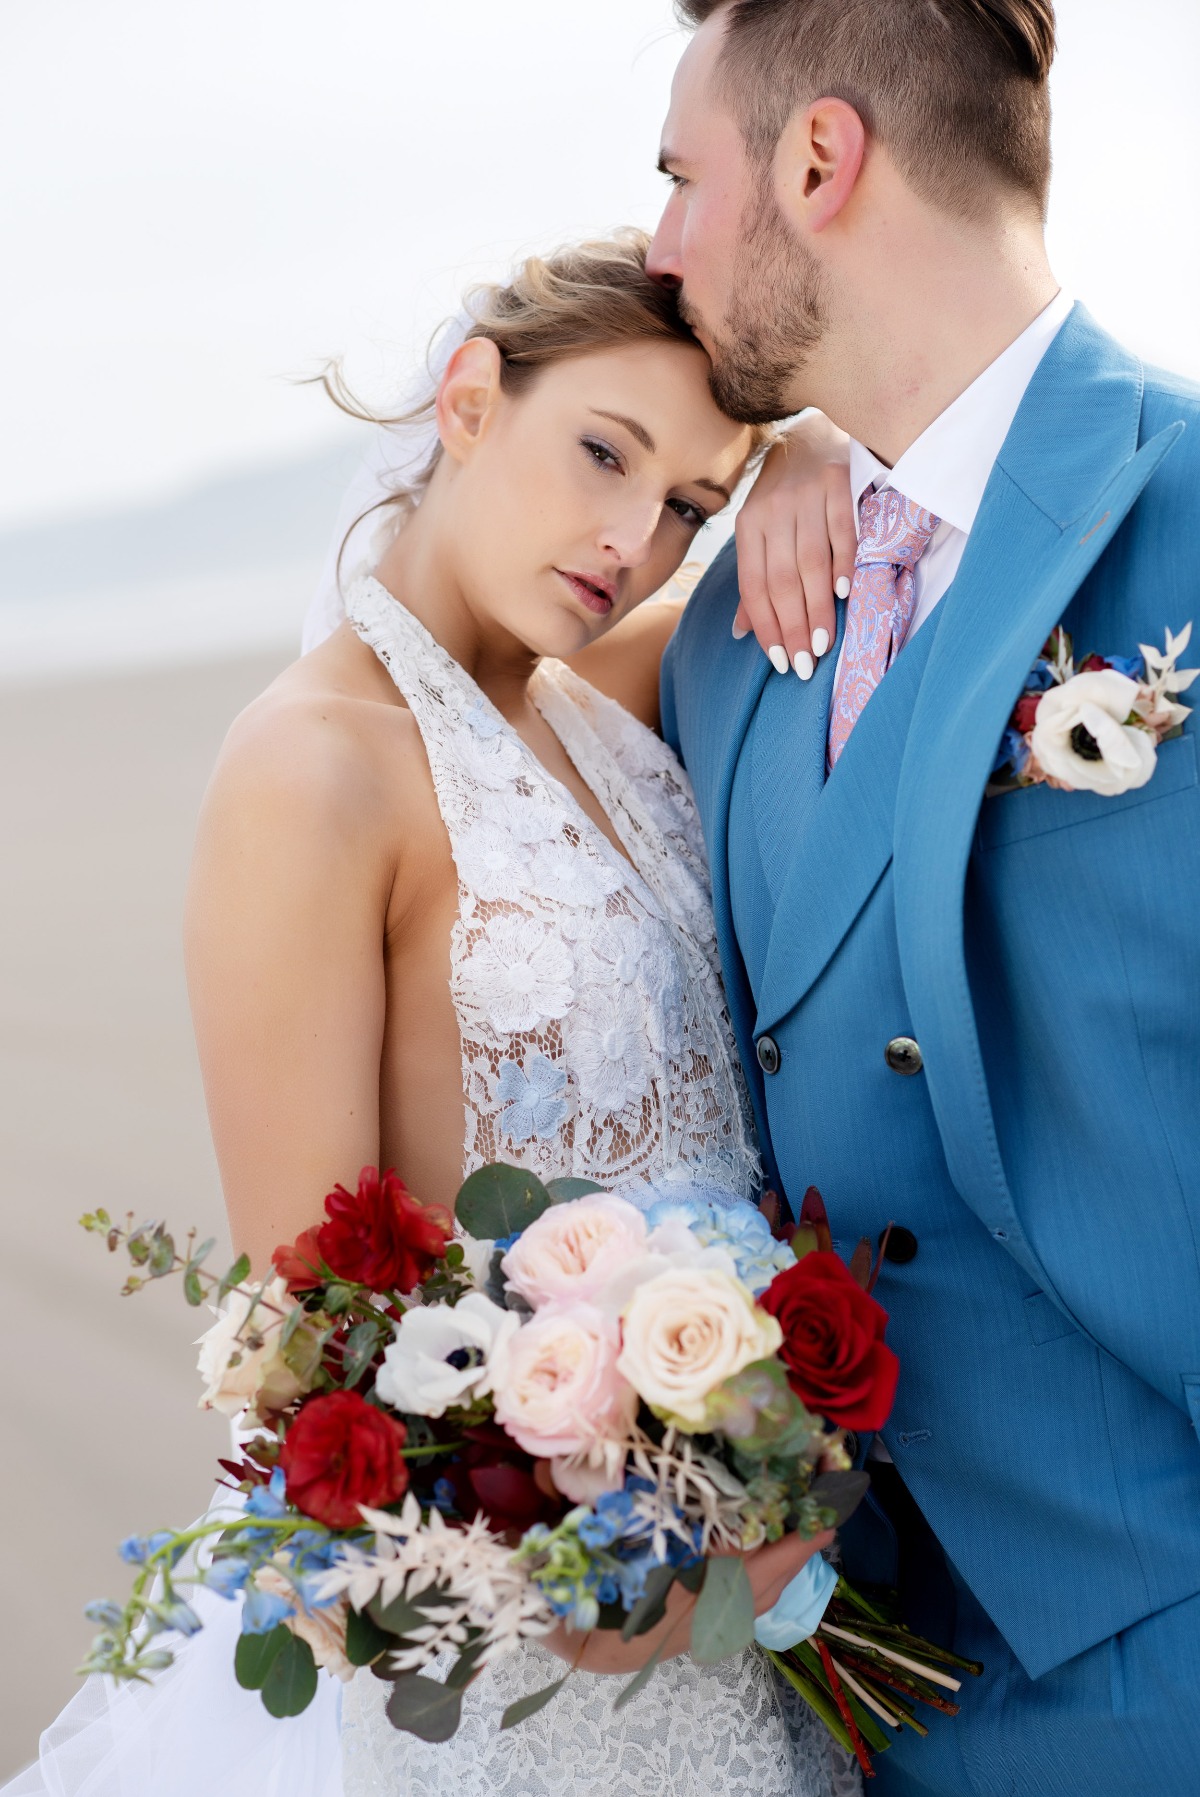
[{"x": 955, "y": 89}]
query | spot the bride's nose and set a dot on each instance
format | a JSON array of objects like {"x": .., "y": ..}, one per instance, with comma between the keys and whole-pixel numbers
[{"x": 629, "y": 538}]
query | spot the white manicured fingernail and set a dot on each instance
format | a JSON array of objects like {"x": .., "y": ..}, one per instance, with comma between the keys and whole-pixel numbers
[
  {"x": 820, "y": 642},
  {"x": 777, "y": 656},
  {"x": 739, "y": 631},
  {"x": 804, "y": 665},
  {"x": 842, "y": 587}
]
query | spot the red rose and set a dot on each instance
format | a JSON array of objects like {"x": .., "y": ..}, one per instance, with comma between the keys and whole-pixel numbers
[
  {"x": 381, "y": 1236},
  {"x": 1095, "y": 664},
  {"x": 341, "y": 1452},
  {"x": 1025, "y": 714},
  {"x": 833, "y": 1347},
  {"x": 300, "y": 1264}
]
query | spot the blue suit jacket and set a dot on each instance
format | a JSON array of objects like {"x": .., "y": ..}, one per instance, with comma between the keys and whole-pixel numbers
[{"x": 1044, "y": 949}]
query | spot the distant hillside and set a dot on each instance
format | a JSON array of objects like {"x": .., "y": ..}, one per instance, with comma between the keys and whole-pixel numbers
[{"x": 256, "y": 519}]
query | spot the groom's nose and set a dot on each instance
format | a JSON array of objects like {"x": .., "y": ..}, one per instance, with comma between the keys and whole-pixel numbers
[{"x": 662, "y": 258}]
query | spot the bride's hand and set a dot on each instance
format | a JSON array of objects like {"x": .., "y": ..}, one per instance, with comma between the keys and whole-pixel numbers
[
  {"x": 771, "y": 1569},
  {"x": 795, "y": 539}
]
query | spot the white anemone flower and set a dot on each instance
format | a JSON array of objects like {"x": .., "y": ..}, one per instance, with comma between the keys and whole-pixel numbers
[
  {"x": 1082, "y": 739},
  {"x": 442, "y": 1355}
]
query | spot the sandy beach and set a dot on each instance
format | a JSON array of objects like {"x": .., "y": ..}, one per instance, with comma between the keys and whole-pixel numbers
[{"x": 102, "y": 1105}]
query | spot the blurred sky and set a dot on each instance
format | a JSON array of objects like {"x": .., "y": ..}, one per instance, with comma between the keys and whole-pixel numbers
[{"x": 201, "y": 200}]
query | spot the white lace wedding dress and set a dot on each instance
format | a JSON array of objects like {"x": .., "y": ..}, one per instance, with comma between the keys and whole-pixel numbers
[{"x": 596, "y": 1043}]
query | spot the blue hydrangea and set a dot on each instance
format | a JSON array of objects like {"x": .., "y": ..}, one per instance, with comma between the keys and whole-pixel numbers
[
  {"x": 532, "y": 1097},
  {"x": 1130, "y": 665},
  {"x": 740, "y": 1228}
]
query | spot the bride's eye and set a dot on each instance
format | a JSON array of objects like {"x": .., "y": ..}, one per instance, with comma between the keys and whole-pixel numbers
[
  {"x": 601, "y": 453},
  {"x": 688, "y": 512}
]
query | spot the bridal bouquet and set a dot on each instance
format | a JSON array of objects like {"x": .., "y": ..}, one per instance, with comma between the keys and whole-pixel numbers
[{"x": 452, "y": 1446}]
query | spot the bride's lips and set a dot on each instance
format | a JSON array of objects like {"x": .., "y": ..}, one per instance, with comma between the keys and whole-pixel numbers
[{"x": 599, "y": 595}]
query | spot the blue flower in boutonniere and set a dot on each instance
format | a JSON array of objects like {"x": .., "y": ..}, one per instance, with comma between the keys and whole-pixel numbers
[{"x": 1096, "y": 728}]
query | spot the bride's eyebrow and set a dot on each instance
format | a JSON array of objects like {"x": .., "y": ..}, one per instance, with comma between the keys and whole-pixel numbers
[
  {"x": 636, "y": 430},
  {"x": 642, "y": 435}
]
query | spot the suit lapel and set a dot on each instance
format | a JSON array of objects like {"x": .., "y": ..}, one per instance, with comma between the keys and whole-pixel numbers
[
  {"x": 1065, "y": 481},
  {"x": 828, "y": 853}
]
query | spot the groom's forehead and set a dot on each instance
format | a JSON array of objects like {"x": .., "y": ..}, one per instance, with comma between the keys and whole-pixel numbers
[{"x": 693, "y": 86}]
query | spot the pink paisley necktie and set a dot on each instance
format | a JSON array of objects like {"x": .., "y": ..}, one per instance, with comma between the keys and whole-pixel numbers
[{"x": 894, "y": 535}]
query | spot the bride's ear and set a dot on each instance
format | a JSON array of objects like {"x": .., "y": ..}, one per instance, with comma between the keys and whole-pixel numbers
[{"x": 470, "y": 389}]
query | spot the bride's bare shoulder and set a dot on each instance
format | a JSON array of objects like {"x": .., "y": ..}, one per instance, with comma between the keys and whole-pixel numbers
[{"x": 330, "y": 748}]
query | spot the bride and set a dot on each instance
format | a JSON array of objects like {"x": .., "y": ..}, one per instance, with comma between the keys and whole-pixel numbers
[{"x": 449, "y": 905}]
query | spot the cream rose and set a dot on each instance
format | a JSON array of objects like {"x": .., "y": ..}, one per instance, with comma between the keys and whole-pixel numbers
[
  {"x": 575, "y": 1250},
  {"x": 555, "y": 1382},
  {"x": 1080, "y": 737},
  {"x": 685, "y": 1333},
  {"x": 324, "y": 1628},
  {"x": 241, "y": 1363}
]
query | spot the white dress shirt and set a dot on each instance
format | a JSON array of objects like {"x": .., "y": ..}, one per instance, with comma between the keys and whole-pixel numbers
[{"x": 949, "y": 465}]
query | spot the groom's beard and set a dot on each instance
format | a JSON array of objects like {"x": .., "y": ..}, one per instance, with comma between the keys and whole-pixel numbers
[{"x": 775, "y": 320}]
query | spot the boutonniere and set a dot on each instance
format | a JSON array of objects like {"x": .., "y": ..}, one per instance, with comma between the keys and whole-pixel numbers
[{"x": 1095, "y": 728}]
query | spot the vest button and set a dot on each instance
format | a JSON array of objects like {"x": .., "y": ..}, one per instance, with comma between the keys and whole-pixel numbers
[
  {"x": 768, "y": 1054},
  {"x": 901, "y": 1246},
  {"x": 903, "y": 1055}
]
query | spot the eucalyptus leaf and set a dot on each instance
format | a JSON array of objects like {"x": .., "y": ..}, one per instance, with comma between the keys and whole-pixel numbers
[
  {"x": 841, "y": 1492},
  {"x": 238, "y": 1271},
  {"x": 254, "y": 1655},
  {"x": 723, "y": 1624},
  {"x": 424, "y": 1707},
  {"x": 202, "y": 1252},
  {"x": 402, "y": 1614},
  {"x": 651, "y": 1607},
  {"x": 640, "y": 1680},
  {"x": 529, "y": 1706},
  {"x": 291, "y": 1681},
  {"x": 466, "y": 1665},
  {"x": 361, "y": 1343},
  {"x": 500, "y": 1201},
  {"x": 692, "y": 1577},
  {"x": 365, "y": 1640},
  {"x": 562, "y": 1191},
  {"x": 193, "y": 1291}
]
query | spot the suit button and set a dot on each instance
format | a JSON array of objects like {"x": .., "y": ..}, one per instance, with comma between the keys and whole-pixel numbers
[
  {"x": 903, "y": 1055},
  {"x": 768, "y": 1054},
  {"x": 901, "y": 1246}
]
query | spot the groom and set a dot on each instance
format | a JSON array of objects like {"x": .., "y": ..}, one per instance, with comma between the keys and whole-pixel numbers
[{"x": 973, "y": 1016}]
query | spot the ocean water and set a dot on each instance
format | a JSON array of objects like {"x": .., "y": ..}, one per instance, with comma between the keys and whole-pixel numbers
[{"x": 225, "y": 569}]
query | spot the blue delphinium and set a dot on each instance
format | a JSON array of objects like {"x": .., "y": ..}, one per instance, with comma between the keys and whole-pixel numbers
[{"x": 263, "y": 1611}]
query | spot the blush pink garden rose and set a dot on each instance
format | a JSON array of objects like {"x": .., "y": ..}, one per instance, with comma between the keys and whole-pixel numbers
[
  {"x": 575, "y": 1251},
  {"x": 555, "y": 1383}
]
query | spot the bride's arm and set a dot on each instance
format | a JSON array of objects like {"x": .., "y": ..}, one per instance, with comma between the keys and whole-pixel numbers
[{"x": 284, "y": 933}]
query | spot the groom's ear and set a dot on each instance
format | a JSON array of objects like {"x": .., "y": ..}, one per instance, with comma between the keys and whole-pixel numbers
[
  {"x": 469, "y": 390},
  {"x": 817, "y": 163}
]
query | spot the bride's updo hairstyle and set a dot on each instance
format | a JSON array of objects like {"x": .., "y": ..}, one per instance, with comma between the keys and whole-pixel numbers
[{"x": 581, "y": 298}]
